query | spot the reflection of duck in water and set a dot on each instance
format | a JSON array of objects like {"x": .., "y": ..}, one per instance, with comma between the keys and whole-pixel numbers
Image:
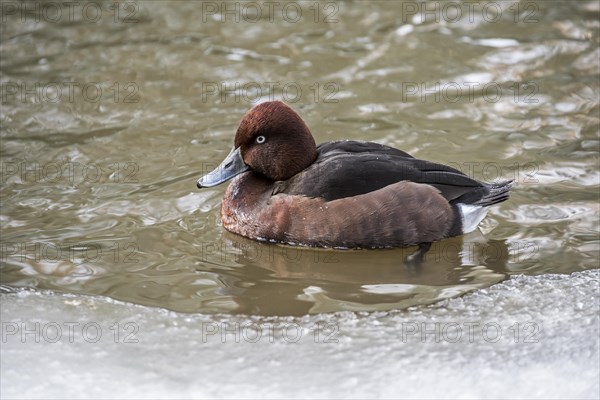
[
  {"x": 344, "y": 194},
  {"x": 283, "y": 280}
]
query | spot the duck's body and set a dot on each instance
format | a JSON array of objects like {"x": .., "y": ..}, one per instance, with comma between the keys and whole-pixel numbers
[{"x": 344, "y": 194}]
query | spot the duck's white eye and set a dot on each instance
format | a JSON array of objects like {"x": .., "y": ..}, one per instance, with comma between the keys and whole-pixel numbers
[{"x": 260, "y": 139}]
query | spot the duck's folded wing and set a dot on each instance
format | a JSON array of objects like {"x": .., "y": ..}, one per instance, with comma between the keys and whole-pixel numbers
[{"x": 346, "y": 169}]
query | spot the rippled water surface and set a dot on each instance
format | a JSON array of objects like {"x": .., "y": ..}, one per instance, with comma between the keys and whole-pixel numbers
[{"x": 107, "y": 125}]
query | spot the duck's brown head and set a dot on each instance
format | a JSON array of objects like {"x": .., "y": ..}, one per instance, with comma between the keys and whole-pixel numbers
[{"x": 271, "y": 140}]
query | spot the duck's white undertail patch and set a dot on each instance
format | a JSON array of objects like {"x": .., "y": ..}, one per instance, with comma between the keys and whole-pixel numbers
[{"x": 471, "y": 216}]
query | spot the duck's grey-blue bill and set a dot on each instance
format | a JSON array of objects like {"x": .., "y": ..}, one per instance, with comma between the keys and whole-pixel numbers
[{"x": 231, "y": 166}]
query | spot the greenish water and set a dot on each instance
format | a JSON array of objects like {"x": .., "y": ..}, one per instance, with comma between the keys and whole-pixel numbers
[{"x": 106, "y": 124}]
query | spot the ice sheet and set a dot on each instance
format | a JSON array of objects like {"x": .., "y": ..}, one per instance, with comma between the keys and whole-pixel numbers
[{"x": 529, "y": 337}]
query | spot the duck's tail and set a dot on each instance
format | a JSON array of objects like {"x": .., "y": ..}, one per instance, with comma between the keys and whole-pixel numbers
[
  {"x": 497, "y": 193},
  {"x": 472, "y": 214}
]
